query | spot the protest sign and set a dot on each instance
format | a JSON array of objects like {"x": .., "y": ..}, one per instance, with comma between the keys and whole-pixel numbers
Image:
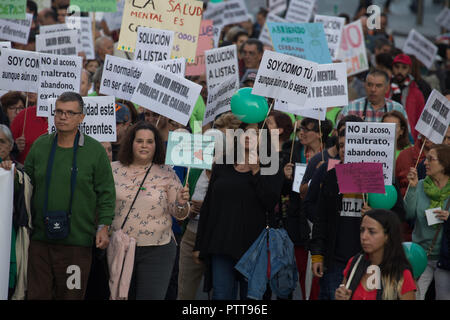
[
  {"x": 332, "y": 163},
  {"x": 306, "y": 111},
  {"x": 165, "y": 93},
  {"x": 57, "y": 74},
  {"x": 284, "y": 77},
  {"x": 99, "y": 120},
  {"x": 175, "y": 66},
  {"x": 264, "y": 36},
  {"x": 219, "y": 99},
  {"x": 431, "y": 216},
  {"x": 443, "y": 19},
  {"x": 114, "y": 19},
  {"x": 5, "y": 44},
  {"x": 371, "y": 142},
  {"x": 153, "y": 44},
  {"x": 221, "y": 64},
  {"x": 352, "y": 49},
  {"x": 6, "y": 214},
  {"x": 181, "y": 16},
  {"x": 300, "y": 169},
  {"x": 190, "y": 150},
  {"x": 435, "y": 118},
  {"x": 360, "y": 178},
  {"x": 303, "y": 40},
  {"x": 216, "y": 37},
  {"x": 422, "y": 48},
  {"x": 16, "y": 30},
  {"x": 19, "y": 70},
  {"x": 333, "y": 27},
  {"x": 277, "y": 6},
  {"x": 300, "y": 10},
  {"x": 13, "y": 9},
  {"x": 83, "y": 25},
  {"x": 60, "y": 43},
  {"x": 205, "y": 42},
  {"x": 226, "y": 12},
  {"x": 95, "y": 5}
]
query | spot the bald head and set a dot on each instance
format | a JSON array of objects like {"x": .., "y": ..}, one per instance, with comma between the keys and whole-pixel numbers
[{"x": 103, "y": 46}]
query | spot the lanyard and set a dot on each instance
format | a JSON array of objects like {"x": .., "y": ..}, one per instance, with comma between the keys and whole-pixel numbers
[
  {"x": 365, "y": 108},
  {"x": 74, "y": 169}
]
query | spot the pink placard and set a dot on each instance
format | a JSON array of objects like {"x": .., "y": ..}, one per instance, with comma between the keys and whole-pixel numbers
[
  {"x": 332, "y": 163},
  {"x": 205, "y": 42},
  {"x": 360, "y": 177}
]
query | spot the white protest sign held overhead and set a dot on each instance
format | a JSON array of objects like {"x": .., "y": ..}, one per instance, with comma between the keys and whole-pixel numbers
[
  {"x": 300, "y": 169},
  {"x": 176, "y": 66},
  {"x": 264, "y": 36},
  {"x": 284, "y": 77},
  {"x": 333, "y": 27},
  {"x": 153, "y": 44},
  {"x": 216, "y": 35},
  {"x": 371, "y": 142},
  {"x": 6, "y": 214},
  {"x": 19, "y": 70},
  {"x": 16, "y": 30},
  {"x": 300, "y": 10},
  {"x": 314, "y": 113},
  {"x": 226, "y": 12},
  {"x": 219, "y": 99},
  {"x": 424, "y": 50},
  {"x": 5, "y": 44},
  {"x": 221, "y": 64},
  {"x": 114, "y": 19},
  {"x": 83, "y": 25},
  {"x": 352, "y": 49},
  {"x": 99, "y": 120},
  {"x": 443, "y": 19},
  {"x": 166, "y": 94},
  {"x": 60, "y": 43},
  {"x": 57, "y": 74},
  {"x": 435, "y": 118},
  {"x": 277, "y": 6}
]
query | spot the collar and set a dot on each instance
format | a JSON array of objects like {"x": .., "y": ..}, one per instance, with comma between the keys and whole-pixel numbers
[{"x": 80, "y": 141}]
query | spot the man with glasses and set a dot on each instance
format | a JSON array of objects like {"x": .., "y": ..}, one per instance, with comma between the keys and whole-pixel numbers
[
  {"x": 251, "y": 52},
  {"x": 73, "y": 201}
]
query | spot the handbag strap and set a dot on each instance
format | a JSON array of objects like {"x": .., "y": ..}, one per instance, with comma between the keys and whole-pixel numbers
[
  {"x": 73, "y": 176},
  {"x": 135, "y": 197},
  {"x": 433, "y": 243}
]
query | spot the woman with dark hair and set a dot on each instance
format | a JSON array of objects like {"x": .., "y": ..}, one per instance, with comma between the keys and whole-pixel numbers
[
  {"x": 381, "y": 242},
  {"x": 234, "y": 212},
  {"x": 431, "y": 193},
  {"x": 12, "y": 103},
  {"x": 401, "y": 131},
  {"x": 141, "y": 161}
]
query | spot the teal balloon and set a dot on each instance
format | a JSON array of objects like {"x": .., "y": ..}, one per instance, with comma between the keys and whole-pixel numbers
[
  {"x": 385, "y": 200},
  {"x": 247, "y": 107},
  {"x": 215, "y": 1},
  {"x": 416, "y": 256}
]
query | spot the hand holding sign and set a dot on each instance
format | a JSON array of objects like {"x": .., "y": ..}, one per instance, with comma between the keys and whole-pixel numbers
[{"x": 183, "y": 195}]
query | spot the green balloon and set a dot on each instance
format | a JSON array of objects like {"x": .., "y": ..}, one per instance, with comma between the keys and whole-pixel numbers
[
  {"x": 215, "y": 1},
  {"x": 383, "y": 200},
  {"x": 416, "y": 256},
  {"x": 247, "y": 107}
]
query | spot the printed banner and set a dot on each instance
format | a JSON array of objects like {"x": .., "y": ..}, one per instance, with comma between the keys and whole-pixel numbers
[
  {"x": 353, "y": 49},
  {"x": 153, "y": 44},
  {"x": 83, "y": 25},
  {"x": 16, "y": 30},
  {"x": 333, "y": 27},
  {"x": 60, "y": 43},
  {"x": 219, "y": 99},
  {"x": 226, "y": 12},
  {"x": 419, "y": 46},
  {"x": 300, "y": 10},
  {"x": 13, "y": 9},
  {"x": 19, "y": 70},
  {"x": 221, "y": 64}
]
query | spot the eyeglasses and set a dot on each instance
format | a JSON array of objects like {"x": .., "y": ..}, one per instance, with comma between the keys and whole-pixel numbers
[
  {"x": 429, "y": 159},
  {"x": 17, "y": 109},
  {"x": 68, "y": 114}
]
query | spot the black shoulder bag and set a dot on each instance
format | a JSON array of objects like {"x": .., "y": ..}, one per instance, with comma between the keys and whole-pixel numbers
[{"x": 57, "y": 223}]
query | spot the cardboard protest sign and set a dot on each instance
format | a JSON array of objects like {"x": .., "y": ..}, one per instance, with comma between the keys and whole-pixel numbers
[
  {"x": 13, "y": 9},
  {"x": 99, "y": 120},
  {"x": 221, "y": 64},
  {"x": 422, "y": 48},
  {"x": 83, "y": 25},
  {"x": 264, "y": 36},
  {"x": 443, "y": 19},
  {"x": 166, "y": 93},
  {"x": 435, "y": 118},
  {"x": 60, "y": 43},
  {"x": 333, "y": 27},
  {"x": 303, "y": 40},
  {"x": 205, "y": 42},
  {"x": 190, "y": 150},
  {"x": 57, "y": 74},
  {"x": 181, "y": 16},
  {"x": 95, "y": 5},
  {"x": 360, "y": 178},
  {"x": 300, "y": 10},
  {"x": 226, "y": 12},
  {"x": 371, "y": 142},
  {"x": 219, "y": 99},
  {"x": 153, "y": 44},
  {"x": 284, "y": 77},
  {"x": 16, "y": 30},
  {"x": 300, "y": 169},
  {"x": 277, "y": 6},
  {"x": 19, "y": 70},
  {"x": 114, "y": 19},
  {"x": 6, "y": 213},
  {"x": 352, "y": 49}
]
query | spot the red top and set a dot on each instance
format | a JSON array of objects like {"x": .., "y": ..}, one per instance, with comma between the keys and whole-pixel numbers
[
  {"x": 34, "y": 128},
  {"x": 363, "y": 294}
]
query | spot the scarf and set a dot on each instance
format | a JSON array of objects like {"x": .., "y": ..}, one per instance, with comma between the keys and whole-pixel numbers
[
  {"x": 397, "y": 89},
  {"x": 437, "y": 196}
]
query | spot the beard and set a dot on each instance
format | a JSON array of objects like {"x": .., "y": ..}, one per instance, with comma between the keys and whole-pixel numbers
[{"x": 399, "y": 78}]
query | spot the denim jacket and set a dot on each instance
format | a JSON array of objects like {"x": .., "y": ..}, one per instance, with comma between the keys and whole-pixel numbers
[{"x": 282, "y": 273}]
